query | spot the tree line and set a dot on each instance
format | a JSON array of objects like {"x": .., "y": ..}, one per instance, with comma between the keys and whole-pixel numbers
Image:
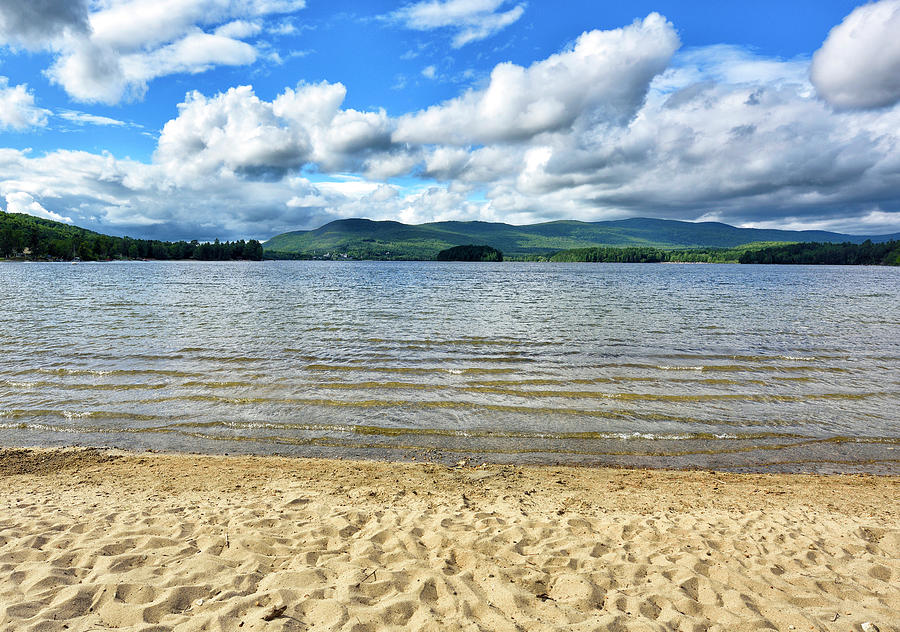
[
  {"x": 36, "y": 238},
  {"x": 647, "y": 254},
  {"x": 865, "y": 254}
]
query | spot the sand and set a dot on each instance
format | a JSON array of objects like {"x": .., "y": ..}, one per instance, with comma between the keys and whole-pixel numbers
[{"x": 98, "y": 540}]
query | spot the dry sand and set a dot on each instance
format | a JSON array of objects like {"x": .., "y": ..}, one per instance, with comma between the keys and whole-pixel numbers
[{"x": 93, "y": 540}]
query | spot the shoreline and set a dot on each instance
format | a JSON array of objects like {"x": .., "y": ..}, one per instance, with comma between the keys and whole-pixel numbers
[
  {"x": 152, "y": 541},
  {"x": 812, "y": 456}
]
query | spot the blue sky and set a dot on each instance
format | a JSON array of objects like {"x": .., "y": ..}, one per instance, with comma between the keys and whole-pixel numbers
[{"x": 219, "y": 118}]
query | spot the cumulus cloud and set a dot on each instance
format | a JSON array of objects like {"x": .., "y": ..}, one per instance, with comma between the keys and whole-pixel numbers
[
  {"x": 234, "y": 131},
  {"x": 604, "y": 76},
  {"x": 33, "y": 23},
  {"x": 747, "y": 151},
  {"x": 858, "y": 66},
  {"x": 239, "y": 133},
  {"x": 21, "y": 202},
  {"x": 615, "y": 126},
  {"x": 470, "y": 20},
  {"x": 111, "y": 53},
  {"x": 721, "y": 133},
  {"x": 17, "y": 108},
  {"x": 121, "y": 196}
]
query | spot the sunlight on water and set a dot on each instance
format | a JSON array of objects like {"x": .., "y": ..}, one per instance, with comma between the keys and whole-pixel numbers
[{"x": 736, "y": 367}]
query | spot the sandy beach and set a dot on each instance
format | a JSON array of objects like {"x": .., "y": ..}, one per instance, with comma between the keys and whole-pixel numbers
[{"x": 97, "y": 540}]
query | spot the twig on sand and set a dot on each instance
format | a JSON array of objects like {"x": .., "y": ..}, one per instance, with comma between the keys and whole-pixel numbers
[
  {"x": 274, "y": 613},
  {"x": 372, "y": 574}
]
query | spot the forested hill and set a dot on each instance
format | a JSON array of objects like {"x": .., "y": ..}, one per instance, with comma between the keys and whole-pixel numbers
[
  {"x": 36, "y": 238},
  {"x": 367, "y": 239}
]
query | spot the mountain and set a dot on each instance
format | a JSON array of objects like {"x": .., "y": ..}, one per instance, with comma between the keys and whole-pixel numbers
[{"x": 368, "y": 239}]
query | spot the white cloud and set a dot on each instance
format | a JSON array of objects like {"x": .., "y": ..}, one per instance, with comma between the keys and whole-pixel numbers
[
  {"x": 241, "y": 134},
  {"x": 471, "y": 20},
  {"x": 874, "y": 222},
  {"x": 84, "y": 118},
  {"x": 239, "y": 29},
  {"x": 21, "y": 202},
  {"x": 429, "y": 72},
  {"x": 615, "y": 126},
  {"x": 285, "y": 27},
  {"x": 741, "y": 150},
  {"x": 130, "y": 25},
  {"x": 195, "y": 52},
  {"x": 604, "y": 76},
  {"x": 234, "y": 131},
  {"x": 858, "y": 66},
  {"x": 128, "y": 197},
  {"x": 721, "y": 134},
  {"x": 113, "y": 52},
  {"x": 723, "y": 63},
  {"x": 17, "y": 108},
  {"x": 340, "y": 138},
  {"x": 92, "y": 73}
]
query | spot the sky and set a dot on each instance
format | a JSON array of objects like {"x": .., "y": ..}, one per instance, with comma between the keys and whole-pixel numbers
[{"x": 202, "y": 119}]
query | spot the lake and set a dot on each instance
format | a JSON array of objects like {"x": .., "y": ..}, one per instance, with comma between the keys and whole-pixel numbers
[{"x": 763, "y": 368}]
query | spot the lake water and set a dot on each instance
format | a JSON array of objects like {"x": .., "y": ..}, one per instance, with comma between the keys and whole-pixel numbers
[{"x": 772, "y": 368}]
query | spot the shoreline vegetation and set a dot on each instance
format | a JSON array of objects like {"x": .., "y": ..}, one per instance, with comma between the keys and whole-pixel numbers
[
  {"x": 23, "y": 237},
  {"x": 470, "y": 253},
  {"x": 866, "y": 253},
  {"x": 95, "y": 539},
  {"x": 801, "y": 253}
]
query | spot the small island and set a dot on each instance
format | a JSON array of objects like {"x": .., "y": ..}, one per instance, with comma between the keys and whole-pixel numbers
[{"x": 470, "y": 253}]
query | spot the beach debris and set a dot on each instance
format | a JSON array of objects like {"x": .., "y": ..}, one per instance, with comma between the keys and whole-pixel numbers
[
  {"x": 462, "y": 463},
  {"x": 835, "y": 617},
  {"x": 868, "y": 626},
  {"x": 372, "y": 574},
  {"x": 274, "y": 612}
]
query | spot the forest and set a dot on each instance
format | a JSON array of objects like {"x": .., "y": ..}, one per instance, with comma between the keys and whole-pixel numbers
[
  {"x": 646, "y": 254},
  {"x": 35, "y": 238},
  {"x": 470, "y": 253},
  {"x": 864, "y": 254}
]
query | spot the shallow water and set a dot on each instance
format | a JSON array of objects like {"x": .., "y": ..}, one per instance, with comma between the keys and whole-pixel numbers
[{"x": 735, "y": 367}]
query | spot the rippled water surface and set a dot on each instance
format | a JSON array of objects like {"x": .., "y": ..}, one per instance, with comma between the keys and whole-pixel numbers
[{"x": 726, "y": 366}]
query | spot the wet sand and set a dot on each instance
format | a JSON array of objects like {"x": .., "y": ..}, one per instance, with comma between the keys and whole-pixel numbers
[{"x": 96, "y": 540}]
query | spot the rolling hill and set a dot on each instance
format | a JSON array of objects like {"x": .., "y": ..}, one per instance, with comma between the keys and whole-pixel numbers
[
  {"x": 34, "y": 238},
  {"x": 368, "y": 239}
]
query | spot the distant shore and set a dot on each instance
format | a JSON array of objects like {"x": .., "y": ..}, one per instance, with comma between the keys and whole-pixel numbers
[{"x": 96, "y": 538}]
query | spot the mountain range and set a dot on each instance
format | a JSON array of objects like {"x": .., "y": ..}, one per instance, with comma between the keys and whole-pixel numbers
[{"x": 369, "y": 239}]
